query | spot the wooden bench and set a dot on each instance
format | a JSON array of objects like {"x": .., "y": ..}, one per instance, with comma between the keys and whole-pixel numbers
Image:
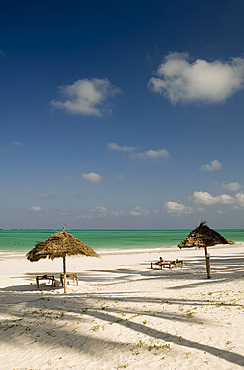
[
  {"x": 177, "y": 262},
  {"x": 44, "y": 277},
  {"x": 169, "y": 265},
  {"x": 73, "y": 275}
]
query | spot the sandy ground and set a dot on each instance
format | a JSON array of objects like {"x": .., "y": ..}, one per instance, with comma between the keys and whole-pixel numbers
[{"x": 124, "y": 314}]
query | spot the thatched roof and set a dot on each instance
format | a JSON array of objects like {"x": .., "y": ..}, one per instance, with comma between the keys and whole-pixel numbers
[
  {"x": 203, "y": 236},
  {"x": 60, "y": 244}
]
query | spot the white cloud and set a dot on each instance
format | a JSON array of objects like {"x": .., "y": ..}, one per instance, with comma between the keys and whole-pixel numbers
[
  {"x": 151, "y": 154},
  {"x": 206, "y": 199},
  {"x": 233, "y": 186},
  {"x": 95, "y": 212},
  {"x": 203, "y": 197},
  {"x": 11, "y": 146},
  {"x": 174, "y": 207},
  {"x": 137, "y": 153},
  {"x": 154, "y": 154},
  {"x": 240, "y": 199},
  {"x": 2, "y": 53},
  {"x": 139, "y": 212},
  {"x": 92, "y": 176},
  {"x": 180, "y": 80},
  {"x": 226, "y": 199},
  {"x": 35, "y": 208},
  {"x": 123, "y": 148},
  {"x": 15, "y": 143},
  {"x": 99, "y": 212},
  {"x": 117, "y": 213},
  {"x": 212, "y": 166},
  {"x": 86, "y": 97}
]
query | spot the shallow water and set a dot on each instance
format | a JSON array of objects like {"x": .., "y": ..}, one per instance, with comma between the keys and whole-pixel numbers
[{"x": 25, "y": 240}]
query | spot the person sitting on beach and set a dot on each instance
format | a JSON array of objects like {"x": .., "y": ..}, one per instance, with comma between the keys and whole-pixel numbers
[{"x": 162, "y": 262}]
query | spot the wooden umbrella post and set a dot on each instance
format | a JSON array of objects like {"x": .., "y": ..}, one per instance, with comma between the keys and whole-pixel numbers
[
  {"x": 207, "y": 258},
  {"x": 64, "y": 268}
]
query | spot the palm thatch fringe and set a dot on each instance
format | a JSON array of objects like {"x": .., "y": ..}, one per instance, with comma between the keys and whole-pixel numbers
[
  {"x": 58, "y": 245},
  {"x": 202, "y": 237}
]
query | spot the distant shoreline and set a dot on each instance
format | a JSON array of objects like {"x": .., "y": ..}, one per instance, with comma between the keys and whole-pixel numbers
[{"x": 44, "y": 229}]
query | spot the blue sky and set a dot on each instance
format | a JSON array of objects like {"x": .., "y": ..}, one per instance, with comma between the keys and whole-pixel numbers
[{"x": 121, "y": 114}]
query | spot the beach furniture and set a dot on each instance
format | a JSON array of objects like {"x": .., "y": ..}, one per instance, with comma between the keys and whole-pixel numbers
[
  {"x": 161, "y": 266},
  {"x": 60, "y": 244},
  {"x": 44, "y": 277},
  {"x": 177, "y": 262},
  {"x": 168, "y": 265},
  {"x": 73, "y": 275}
]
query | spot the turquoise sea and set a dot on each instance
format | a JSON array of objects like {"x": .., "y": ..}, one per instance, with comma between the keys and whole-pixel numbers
[{"x": 24, "y": 240}]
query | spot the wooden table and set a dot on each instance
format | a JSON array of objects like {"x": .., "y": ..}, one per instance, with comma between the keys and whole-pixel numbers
[
  {"x": 44, "y": 277},
  {"x": 73, "y": 275}
]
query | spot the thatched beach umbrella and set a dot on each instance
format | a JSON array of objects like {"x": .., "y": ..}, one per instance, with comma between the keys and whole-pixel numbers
[
  {"x": 61, "y": 244},
  {"x": 203, "y": 237}
]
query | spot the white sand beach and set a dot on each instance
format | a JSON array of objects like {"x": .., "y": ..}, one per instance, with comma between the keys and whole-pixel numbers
[{"x": 123, "y": 314}]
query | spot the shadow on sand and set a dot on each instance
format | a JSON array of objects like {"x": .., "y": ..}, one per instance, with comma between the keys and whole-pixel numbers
[{"x": 26, "y": 297}]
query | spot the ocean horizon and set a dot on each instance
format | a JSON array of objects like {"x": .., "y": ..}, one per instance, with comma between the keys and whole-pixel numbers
[{"x": 23, "y": 240}]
